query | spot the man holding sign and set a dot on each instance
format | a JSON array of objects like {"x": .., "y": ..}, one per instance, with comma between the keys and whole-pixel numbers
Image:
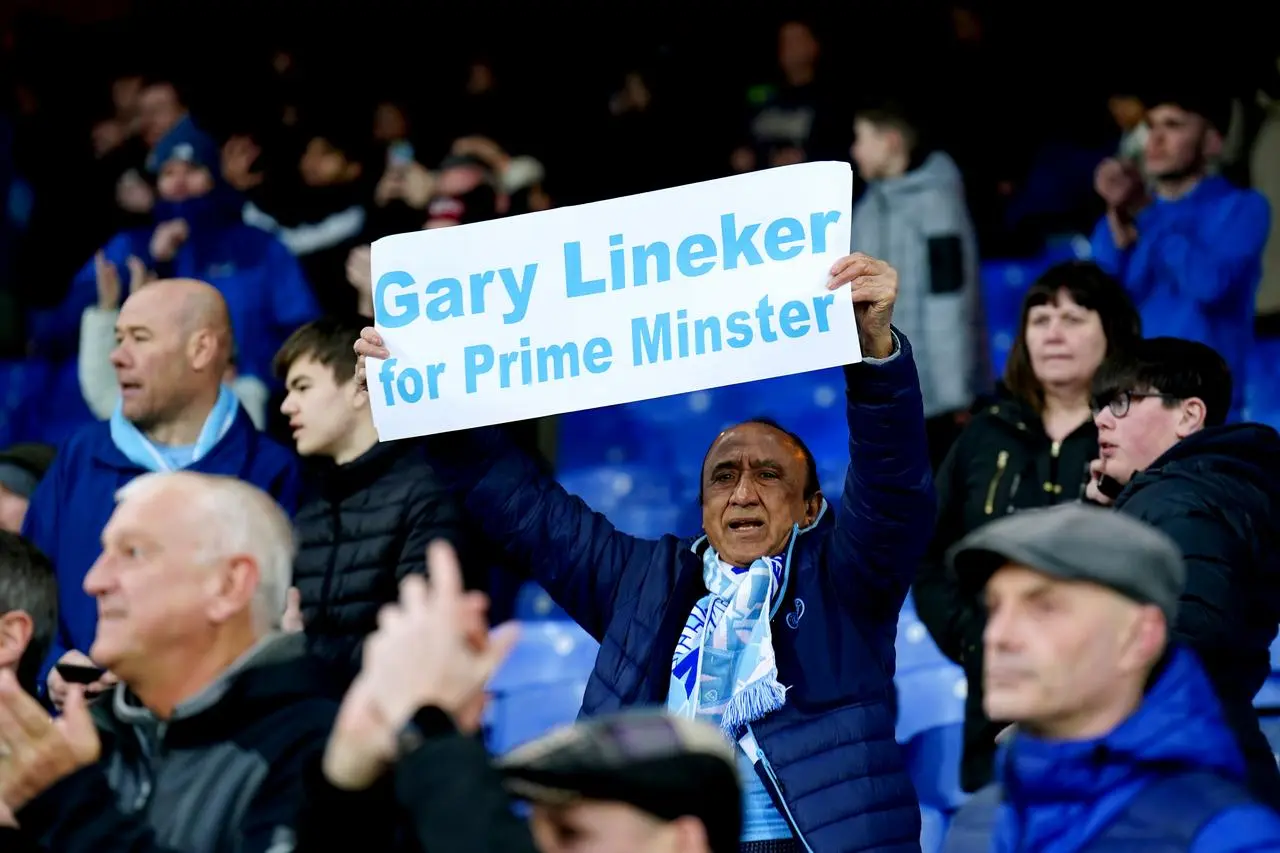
[{"x": 779, "y": 623}]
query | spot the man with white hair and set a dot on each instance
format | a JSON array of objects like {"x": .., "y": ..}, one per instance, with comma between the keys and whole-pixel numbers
[{"x": 205, "y": 743}]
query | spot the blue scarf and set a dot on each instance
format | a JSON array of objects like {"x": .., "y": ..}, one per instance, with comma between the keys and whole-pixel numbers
[
  {"x": 130, "y": 441},
  {"x": 724, "y": 670}
]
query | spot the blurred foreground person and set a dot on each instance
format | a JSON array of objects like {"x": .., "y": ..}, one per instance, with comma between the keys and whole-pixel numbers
[
  {"x": 1120, "y": 743},
  {"x": 204, "y": 744},
  {"x": 636, "y": 782},
  {"x": 777, "y": 625}
]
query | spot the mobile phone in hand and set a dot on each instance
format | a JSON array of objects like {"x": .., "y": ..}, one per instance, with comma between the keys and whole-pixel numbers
[
  {"x": 1110, "y": 486},
  {"x": 399, "y": 154},
  {"x": 77, "y": 674}
]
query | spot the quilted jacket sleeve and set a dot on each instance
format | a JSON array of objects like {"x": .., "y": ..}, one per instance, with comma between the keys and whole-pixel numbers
[
  {"x": 887, "y": 512},
  {"x": 571, "y": 551}
]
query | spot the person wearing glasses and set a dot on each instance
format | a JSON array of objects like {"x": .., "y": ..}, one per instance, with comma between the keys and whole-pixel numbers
[
  {"x": 1030, "y": 448},
  {"x": 1167, "y": 457}
]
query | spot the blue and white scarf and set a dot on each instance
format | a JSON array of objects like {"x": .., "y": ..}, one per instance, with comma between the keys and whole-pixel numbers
[
  {"x": 130, "y": 441},
  {"x": 724, "y": 669}
]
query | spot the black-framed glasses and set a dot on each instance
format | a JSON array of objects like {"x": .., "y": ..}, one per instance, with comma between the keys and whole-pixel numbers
[{"x": 1119, "y": 404}]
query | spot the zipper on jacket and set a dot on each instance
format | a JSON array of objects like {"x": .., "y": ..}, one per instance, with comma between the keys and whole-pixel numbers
[
  {"x": 325, "y": 606},
  {"x": 1051, "y": 485},
  {"x": 747, "y": 743},
  {"x": 1002, "y": 460}
]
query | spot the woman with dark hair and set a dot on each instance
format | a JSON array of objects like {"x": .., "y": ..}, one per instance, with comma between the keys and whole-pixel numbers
[{"x": 1032, "y": 448}]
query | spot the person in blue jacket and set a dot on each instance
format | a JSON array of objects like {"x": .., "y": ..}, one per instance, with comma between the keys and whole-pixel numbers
[
  {"x": 1190, "y": 254},
  {"x": 1119, "y": 743},
  {"x": 198, "y": 234},
  {"x": 778, "y": 624},
  {"x": 173, "y": 413}
]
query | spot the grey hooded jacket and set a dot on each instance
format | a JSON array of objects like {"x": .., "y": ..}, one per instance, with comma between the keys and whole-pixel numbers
[{"x": 919, "y": 224}]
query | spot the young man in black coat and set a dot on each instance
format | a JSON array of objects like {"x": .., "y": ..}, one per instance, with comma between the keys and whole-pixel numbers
[
  {"x": 1168, "y": 457},
  {"x": 370, "y": 509}
]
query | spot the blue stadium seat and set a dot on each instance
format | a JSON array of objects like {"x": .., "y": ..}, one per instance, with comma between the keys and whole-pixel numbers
[
  {"x": 534, "y": 604},
  {"x": 607, "y": 488},
  {"x": 915, "y": 647},
  {"x": 540, "y": 686},
  {"x": 1262, "y": 383},
  {"x": 1271, "y": 728},
  {"x": 933, "y": 830},
  {"x": 929, "y": 698},
  {"x": 602, "y": 437},
  {"x": 1004, "y": 282},
  {"x": 933, "y": 761}
]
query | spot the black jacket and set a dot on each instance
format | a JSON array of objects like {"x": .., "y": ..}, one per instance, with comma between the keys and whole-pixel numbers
[
  {"x": 363, "y": 528},
  {"x": 1001, "y": 463},
  {"x": 225, "y": 774},
  {"x": 1216, "y": 493},
  {"x": 444, "y": 796}
]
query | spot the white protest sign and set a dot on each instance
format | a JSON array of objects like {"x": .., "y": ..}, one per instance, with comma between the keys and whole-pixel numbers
[{"x": 639, "y": 297}]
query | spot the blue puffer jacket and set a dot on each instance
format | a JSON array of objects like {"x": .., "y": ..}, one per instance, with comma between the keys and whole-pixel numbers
[
  {"x": 830, "y": 753},
  {"x": 1059, "y": 797}
]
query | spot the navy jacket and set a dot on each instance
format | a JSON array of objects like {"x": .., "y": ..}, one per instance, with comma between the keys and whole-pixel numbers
[{"x": 830, "y": 754}]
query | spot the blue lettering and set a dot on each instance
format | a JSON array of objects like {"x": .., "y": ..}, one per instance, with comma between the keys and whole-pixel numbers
[
  {"x": 646, "y": 342},
  {"x": 818, "y": 223},
  {"x": 821, "y": 305},
  {"x": 386, "y": 376},
  {"x": 706, "y": 335},
  {"x": 520, "y": 292},
  {"x": 574, "y": 284},
  {"x": 409, "y": 384},
  {"x": 696, "y": 255},
  {"x": 660, "y": 253},
  {"x": 598, "y": 355},
  {"x": 617, "y": 262},
  {"x": 737, "y": 242},
  {"x": 763, "y": 312},
  {"x": 780, "y": 232},
  {"x": 406, "y": 302},
  {"x": 478, "y": 283},
  {"x": 739, "y": 326},
  {"x": 794, "y": 319},
  {"x": 448, "y": 303},
  {"x": 479, "y": 360},
  {"x": 433, "y": 380}
]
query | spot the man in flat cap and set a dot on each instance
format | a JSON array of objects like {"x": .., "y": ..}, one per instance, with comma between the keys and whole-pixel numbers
[{"x": 1120, "y": 743}]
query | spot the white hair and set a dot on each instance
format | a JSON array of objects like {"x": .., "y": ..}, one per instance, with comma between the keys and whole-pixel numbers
[{"x": 235, "y": 519}]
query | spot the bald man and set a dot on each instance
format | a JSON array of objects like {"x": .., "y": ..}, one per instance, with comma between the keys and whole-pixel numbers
[{"x": 173, "y": 345}]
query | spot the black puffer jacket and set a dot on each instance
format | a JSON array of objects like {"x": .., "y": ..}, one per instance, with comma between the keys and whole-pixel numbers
[
  {"x": 363, "y": 528},
  {"x": 1001, "y": 463},
  {"x": 1216, "y": 493}
]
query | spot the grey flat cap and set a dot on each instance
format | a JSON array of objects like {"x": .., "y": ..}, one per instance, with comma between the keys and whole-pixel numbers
[{"x": 1080, "y": 543}]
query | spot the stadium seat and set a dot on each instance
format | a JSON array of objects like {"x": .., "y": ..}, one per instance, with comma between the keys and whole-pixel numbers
[
  {"x": 929, "y": 698},
  {"x": 540, "y": 685},
  {"x": 915, "y": 647},
  {"x": 534, "y": 604},
  {"x": 933, "y": 830},
  {"x": 933, "y": 760},
  {"x": 607, "y": 488}
]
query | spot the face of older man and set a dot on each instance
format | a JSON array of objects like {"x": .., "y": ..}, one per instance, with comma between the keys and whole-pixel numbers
[
  {"x": 152, "y": 582},
  {"x": 754, "y": 481}
]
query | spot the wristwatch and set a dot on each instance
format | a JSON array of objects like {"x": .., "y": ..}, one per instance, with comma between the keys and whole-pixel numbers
[{"x": 427, "y": 722}]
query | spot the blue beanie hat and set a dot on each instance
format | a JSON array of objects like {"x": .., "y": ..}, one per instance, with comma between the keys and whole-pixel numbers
[{"x": 189, "y": 144}]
